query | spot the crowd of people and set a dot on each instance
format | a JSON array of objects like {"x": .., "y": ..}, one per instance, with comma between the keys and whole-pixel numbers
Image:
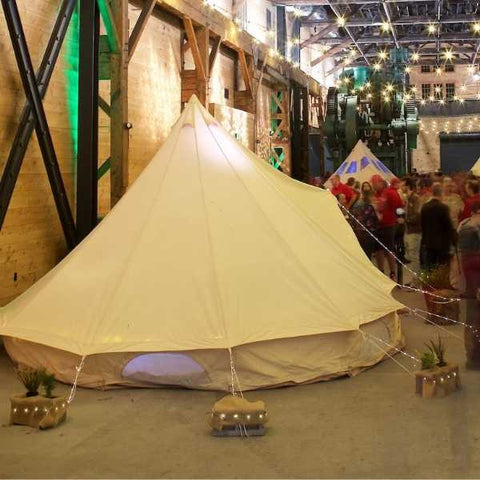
[{"x": 424, "y": 220}]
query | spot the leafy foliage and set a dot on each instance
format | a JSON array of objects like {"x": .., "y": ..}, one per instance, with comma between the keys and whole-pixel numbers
[
  {"x": 48, "y": 383},
  {"x": 31, "y": 379},
  {"x": 438, "y": 349},
  {"x": 438, "y": 278},
  {"x": 428, "y": 360}
]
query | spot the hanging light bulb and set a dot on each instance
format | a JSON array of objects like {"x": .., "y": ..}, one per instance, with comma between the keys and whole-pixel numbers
[
  {"x": 476, "y": 27},
  {"x": 438, "y": 70},
  {"x": 422, "y": 102},
  {"x": 382, "y": 55},
  {"x": 413, "y": 89},
  {"x": 438, "y": 89},
  {"x": 407, "y": 69},
  {"x": 432, "y": 28},
  {"x": 431, "y": 98},
  {"x": 341, "y": 21},
  {"x": 385, "y": 27},
  {"x": 415, "y": 56},
  {"x": 389, "y": 87},
  {"x": 461, "y": 100},
  {"x": 448, "y": 54},
  {"x": 442, "y": 102},
  {"x": 369, "y": 96},
  {"x": 368, "y": 85},
  {"x": 377, "y": 67}
]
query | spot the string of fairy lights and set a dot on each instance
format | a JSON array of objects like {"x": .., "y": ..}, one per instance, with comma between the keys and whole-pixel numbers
[{"x": 469, "y": 124}]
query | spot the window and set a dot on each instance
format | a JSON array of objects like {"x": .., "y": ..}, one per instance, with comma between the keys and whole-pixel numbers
[
  {"x": 269, "y": 20},
  {"x": 426, "y": 90},
  {"x": 449, "y": 91},
  {"x": 425, "y": 69},
  {"x": 449, "y": 67},
  {"x": 438, "y": 91}
]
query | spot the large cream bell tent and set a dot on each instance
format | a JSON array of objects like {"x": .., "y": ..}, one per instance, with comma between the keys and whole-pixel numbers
[
  {"x": 211, "y": 251},
  {"x": 362, "y": 164},
  {"x": 476, "y": 168}
]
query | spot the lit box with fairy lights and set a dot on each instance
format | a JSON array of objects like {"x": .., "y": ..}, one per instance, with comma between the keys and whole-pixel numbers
[{"x": 236, "y": 416}]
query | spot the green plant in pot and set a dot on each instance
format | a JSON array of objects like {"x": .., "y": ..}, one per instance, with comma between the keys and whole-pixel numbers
[
  {"x": 428, "y": 360},
  {"x": 31, "y": 379},
  {"x": 34, "y": 409},
  {"x": 438, "y": 350},
  {"x": 48, "y": 384}
]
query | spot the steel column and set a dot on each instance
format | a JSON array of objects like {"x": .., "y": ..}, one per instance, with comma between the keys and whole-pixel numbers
[
  {"x": 87, "y": 163},
  {"x": 34, "y": 98},
  {"x": 27, "y": 120},
  {"x": 300, "y": 137}
]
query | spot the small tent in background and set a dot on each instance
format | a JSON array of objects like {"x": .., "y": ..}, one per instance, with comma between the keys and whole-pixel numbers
[
  {"x": 362, "y": 164},
  {"x": 210, "y": 251},
  {"x": 476, "y": 168}
]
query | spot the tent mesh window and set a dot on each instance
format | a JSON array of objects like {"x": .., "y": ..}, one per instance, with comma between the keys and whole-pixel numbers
[{"x": 166, "y": 368}]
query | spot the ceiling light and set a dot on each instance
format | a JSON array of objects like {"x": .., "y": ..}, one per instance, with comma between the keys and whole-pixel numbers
[
  {"x": 407, "y": 69},
  {"x": 432, "y": 28},
  {"x": 448, "y": 54},
  {"x": 476, "y": 27},
  {"x": 385, "y": 26},
  {"x": 438, "y": 89},
  {"x": 438, "y": 70},
  {"x": 383, "y": 54},
  {"x": 341, "y": 21},
  {"x": 415, "y": 56},
  {"x": 377, "y": 67}
]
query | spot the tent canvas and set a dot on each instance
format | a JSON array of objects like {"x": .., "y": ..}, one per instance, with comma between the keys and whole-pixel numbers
[
  {"x": 362, "y": 164},
  {"x": 476, "y": 168},
  {"x": 210, "y": 252}
]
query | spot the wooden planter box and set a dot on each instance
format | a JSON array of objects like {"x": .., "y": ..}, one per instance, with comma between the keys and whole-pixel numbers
[
  {"x": 438, "y": 381},
  {"x": 444, "y": 308},
  {"x": 38, "y": 412}
]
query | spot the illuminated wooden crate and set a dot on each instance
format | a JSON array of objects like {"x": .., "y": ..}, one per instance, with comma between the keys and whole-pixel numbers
[
  {"x": 235, "y": 416},
  {"x": 438, "y": 381},
  {"x": 38, "y": 412}
]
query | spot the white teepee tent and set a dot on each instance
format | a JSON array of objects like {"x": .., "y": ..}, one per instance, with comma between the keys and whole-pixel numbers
[
  {"x": 476, "y": 168},
  {"x": 362, "y": 164},
  {"x": 211, "y": 251}
]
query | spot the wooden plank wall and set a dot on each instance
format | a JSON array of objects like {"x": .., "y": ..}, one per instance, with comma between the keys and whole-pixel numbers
[{"x": 31, "y": 240}]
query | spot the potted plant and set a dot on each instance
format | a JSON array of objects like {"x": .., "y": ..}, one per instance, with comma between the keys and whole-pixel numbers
[
  {"x": 437, "y": 378},
  {"x": 34, "y": 409},
  {"x": 440, "y": 296}
]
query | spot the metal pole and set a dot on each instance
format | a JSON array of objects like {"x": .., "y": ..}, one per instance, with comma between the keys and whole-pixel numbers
[
  {"x": 27, "y": 119},
  {"x": 34, "y": 98},
  {"x": 87, "y": 163}
]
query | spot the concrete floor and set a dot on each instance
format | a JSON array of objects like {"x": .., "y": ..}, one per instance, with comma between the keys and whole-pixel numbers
[{"x": 370, "y": 426}]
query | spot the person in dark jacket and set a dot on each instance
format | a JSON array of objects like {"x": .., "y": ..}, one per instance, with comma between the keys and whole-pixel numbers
[{"x": 438, "y": 233}]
